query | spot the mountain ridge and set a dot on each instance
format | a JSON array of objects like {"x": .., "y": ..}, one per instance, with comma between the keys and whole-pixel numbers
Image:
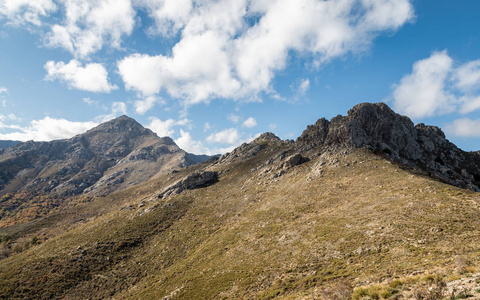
[
  {"x": 110, "y": 157},
  {"x": 331, "y": 215}
]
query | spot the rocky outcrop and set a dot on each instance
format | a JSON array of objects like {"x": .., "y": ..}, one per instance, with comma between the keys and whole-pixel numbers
[
  {"x": 380, "y": 129},
  {"x": 247, "y": 150},
  {"x": 192, "y": 181}
]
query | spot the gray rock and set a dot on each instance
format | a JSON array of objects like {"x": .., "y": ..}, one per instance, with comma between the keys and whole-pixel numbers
[
  {"x": 380, "y": 129},
  {"x": 294, "y": 160},
  {"x": 192, "y": 181}
]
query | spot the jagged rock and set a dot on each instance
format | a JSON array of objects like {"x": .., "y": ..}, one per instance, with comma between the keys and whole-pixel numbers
[
  {"x": 247, "y": 150},
  {"x": 294, "y": 160},
  {"x": 380, "y": 129},
  {"x": 267, "y": 137},
  {"x": 193, "y": 181}
]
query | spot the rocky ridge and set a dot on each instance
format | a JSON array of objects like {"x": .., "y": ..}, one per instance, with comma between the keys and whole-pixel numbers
[
  {"x": 109, "y": 157},
  {"x": 378, "y": 128}
]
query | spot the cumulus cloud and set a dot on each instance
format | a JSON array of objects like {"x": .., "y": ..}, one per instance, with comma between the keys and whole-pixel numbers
[
  {"x": 93, "y": 77},
  {"x": 249, "y": 123},
  {"x": 49, "y": 128},
  {"x": 20, "y": 12},
  {"x": 467, "y": 77},
  {"x": 437, "y": 86},
  {"x": 228, "y": 136},
  {"x": 165, "y": 128},
  {"x": 464, "y": 127},
  {"x": 169, "y": 15},
  {"x": 187, "y": 143},
  {"x": 222, "y": 53},
  {"x": 233, "y": 118},
  {"x": 90, "y": 24},
  {"x": 3, "y": 90},
  {"x": 423, "y": 92},
  {"x": 161, "y": 128},
  {"x": 142, "y": 106},
  {"x": 46, "y": 129}
]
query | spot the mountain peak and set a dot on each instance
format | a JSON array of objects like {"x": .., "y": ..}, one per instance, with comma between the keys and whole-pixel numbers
[
  {"x": 119, "y": 128},
  {"x": 377, "y": 127}
]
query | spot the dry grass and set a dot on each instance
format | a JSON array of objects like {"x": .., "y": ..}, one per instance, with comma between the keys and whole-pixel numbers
[{"x": 340, "y": 221}]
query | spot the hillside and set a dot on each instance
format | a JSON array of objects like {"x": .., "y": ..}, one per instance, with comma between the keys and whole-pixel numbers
[
  {"x": 329, "y": 216},
  {"x": 37, "y": 177}
]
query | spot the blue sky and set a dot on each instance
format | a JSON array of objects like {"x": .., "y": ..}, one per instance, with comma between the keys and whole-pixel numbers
[{"x": 214, "y": 74}]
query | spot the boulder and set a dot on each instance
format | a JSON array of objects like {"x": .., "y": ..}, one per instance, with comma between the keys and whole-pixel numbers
[{"x": 192, "y": 181}]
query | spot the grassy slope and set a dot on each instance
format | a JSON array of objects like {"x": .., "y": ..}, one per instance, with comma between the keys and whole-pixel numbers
[{"x": 249, "y": 236}]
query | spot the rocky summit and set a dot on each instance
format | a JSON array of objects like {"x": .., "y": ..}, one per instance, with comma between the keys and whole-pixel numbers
[
  {"x": 110, "y": 157},
  {"x": 363, "y": 206},
  {"x": 380, "y": 129}
]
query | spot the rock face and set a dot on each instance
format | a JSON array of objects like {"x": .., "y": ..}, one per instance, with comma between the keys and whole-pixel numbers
[
  {"x": 380, "y": 129},
  {"x": 110, "y": 157},
  {"x": 193, "y": 181}
]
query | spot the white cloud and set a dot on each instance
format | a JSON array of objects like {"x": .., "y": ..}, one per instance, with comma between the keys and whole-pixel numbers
[
  {"x": 207, "y": 127},
  {"x": 197, "y": 71},
  {"x": 234, "y": 118},
  {"x": 46, "y": 129},
  {"x": 88, "y": 101},
  {"x": 93, "y": 77},
  {"x": 187, "y": 143},
  {"x": 169, "y": 15},
  {"x": 464, "y": 127},
  {"x": 249, "y": 123},
  {"x": 9, "y": 117},
  {"x": 161, "y": 128},
  {"x": 90, "y": 24},
  {"x": 223, "y": 54},
  {"x": 142, "y": 106},
  {"x": 467, "y": 76},
  {"x": 436, "y": 86},
  {"x": 21, "y": 12},
  {"x": 227, "y": 136},
  {"x": 304, "y": 86},
  {"x": 3, "y": 90},
  {"x": 117, "y": 109},
  {"x": 165, "y": 128},
  {"x": 422, "y": 93},
  {"x": 469, "y": 104}
]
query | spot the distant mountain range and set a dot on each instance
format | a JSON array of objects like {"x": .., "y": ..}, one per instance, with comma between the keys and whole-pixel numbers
[{"x": 6, "y": 144}]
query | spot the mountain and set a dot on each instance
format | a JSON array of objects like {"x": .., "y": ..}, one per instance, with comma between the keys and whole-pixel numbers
[
  {"x": 110, "y": 157},
  {"x": 6, "y": 144},
  {"x": 355, "y": 208},
  {"x": 378, "y": 128}
]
